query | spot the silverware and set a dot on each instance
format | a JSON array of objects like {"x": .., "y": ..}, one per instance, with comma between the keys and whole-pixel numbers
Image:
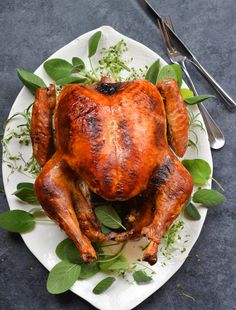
[
  {"x": 228, "y": 101},
  {"x": 215, "y": 136}
]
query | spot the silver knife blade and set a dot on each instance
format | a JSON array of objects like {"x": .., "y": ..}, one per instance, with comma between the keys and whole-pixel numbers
[{"x": 174, "y": 37}]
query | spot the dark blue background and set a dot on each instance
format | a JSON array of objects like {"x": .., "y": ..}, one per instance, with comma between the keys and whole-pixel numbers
[{"x": 30, "y": 32}]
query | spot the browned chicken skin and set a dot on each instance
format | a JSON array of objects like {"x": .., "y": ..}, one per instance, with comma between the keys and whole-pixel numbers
[{"x": 111, "y": 139}]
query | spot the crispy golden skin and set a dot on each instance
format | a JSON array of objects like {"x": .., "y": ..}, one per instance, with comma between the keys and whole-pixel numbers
[
  {"x": 41, "y": 124},
  {"x": 113, "y": 141},
  {"x": 177, "y": 116}
]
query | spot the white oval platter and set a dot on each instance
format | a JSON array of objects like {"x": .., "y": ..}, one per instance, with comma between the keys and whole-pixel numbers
[{"x": 43, "y": 240}]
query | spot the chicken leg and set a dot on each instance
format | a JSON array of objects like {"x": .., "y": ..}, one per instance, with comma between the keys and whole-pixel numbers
[
  {"x": 57, "y": 192},
  {"x": 173, "y": 185}
]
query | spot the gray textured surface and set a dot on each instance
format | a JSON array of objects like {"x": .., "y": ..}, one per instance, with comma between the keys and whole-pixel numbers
[{"x": 30, "y": 32}]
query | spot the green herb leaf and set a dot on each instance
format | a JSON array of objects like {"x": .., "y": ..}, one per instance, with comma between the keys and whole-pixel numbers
[
  {"x": 197, "y": 99},
  {"x": 186, "y": 93},
  {"x": 62, "y": 277},
  {"x": 104, "y": 266},
  {"x": 192, "y": 212},
  {"x": 88, "y": 270},
  {"x": 58, "y": 68},
  {"x": 67, "y": 251},
  {"x": 172, "y": 234},
  {"x": 30, "y": 80},
  {"x": 17, "y": 221},
  {"x": 103, "y": 285},
  {"x": 77, "y": 62},
  {"x": 178, "y": 73},
  {"x": 25, "y": 192},
  {"x": 105, "y": 230},
  {"x": 199, "y": 169},
  {"x": 208, "y": 197},
  {"x": 108, "y": 216},
  {"x": 167, "y": 72},
  {"x": 93, "y": 43},
  {"x": 121, "y": 263},
  {"x": 70, "y": 80},
  {"x": 140, "y": 276},
  {"x": 152, "y": 72}
]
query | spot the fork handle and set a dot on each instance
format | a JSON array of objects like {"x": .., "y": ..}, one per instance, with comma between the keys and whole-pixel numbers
[
  {"x": 228, "y": 101},
  {"x": 215, "y": 135}
]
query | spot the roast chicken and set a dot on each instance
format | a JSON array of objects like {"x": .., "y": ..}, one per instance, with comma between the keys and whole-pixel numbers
[{"x": 116, "y": 140}]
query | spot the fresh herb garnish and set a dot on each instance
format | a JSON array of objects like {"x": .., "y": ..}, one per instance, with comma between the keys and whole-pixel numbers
[
  {"x": 25, "y": 192},
  {"x": 108, "y": 216},
  {"x": 78, "y": 63},
  {"x": 18, "y": 221},
  {"x": 112, "y": 63},
  {"x": 93, "y": 43},
  {"x": 22, "y": 135},
  {"x": 103, "y": 285},
  {"x": 197, "y": 99},
  {"x": 66, "y": 250},
  {"x": 192, "y": 212},
  {"x": 167, "y": 72},
  {"x": 152, "y": 72},
  {"x": 186, "y": 93},
  {"x": 30, "y": 80},
  {"x": 208, "y": 197},
  {"x": 89, "y": 270},
  {"x": 178, "y": 73},
  {"x": 62, "y": 276},
  {"x": 199, "y": 169},
  {"x": 70, "y": 80},
  {"x": 57, "y": 68},
  {"x": 141, "y": 277}
]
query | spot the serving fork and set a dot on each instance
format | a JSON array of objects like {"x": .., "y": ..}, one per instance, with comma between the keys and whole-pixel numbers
[{"x": 215, "y": 135}]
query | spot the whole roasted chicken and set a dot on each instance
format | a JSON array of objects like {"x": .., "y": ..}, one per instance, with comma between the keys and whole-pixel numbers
[{"x": 112, "y": 139}]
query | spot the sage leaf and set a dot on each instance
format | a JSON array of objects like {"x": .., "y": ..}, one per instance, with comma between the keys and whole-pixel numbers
[
  {"x": 30, "y": 80},
  {"x": 152, "y": 72},
  {"x": 197, "y": 99},
  {"x": 208, "y": 197},
  {"x": 88, "y": 270},
  {"x": 105, "y": 230},
  {"x": 70, "y": 80},
  {"x": 108, "y": 216},
  {"x": 167, "y": 72},
  {"x": 121, "y": 263},
  {"x": 140, "y": 277},
  {"x": 25, "y": 192},
  {"x": 192, "y": 212},
  {"x": 77, "y": 62},
  {"x": 104, "y": 266},
  {"x": 67, "y": 251},
  {"x": 62, "y": 276},
  {"x": 57, "y": 68},
  {"x": 178, "y": 73},
  {"x": 199, "y": 169},
  {"x": 38, "y": 212},
  {"x": 17, "y": 221},
  {"x": 103, "y": 285},
  {"x": 186, "y": 93},
  {"x": 93, "y": 43}
]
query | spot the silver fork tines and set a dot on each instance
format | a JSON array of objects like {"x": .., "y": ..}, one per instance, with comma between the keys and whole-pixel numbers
[{"x": 215, "y": 135}]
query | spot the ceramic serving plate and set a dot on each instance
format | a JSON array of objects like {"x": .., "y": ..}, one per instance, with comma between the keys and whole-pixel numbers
[{"x": 43, "y": 240}]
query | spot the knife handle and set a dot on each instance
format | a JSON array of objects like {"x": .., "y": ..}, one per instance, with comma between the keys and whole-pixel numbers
[{"x": 228, "y": 101}]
